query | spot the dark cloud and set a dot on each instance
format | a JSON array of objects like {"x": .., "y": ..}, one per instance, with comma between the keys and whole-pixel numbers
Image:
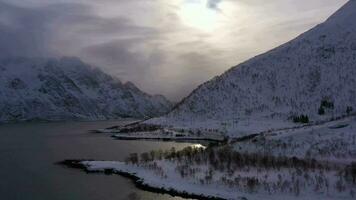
[
  {"x": 30, "y": 31},
  {"x": 33, "y": 31},
  {"x": 115, "y": 52},
  {"x": 22, "y": 31},
  {"x": 125, "y": 60},
  {"x": 120, "y": 55},
  {"x": 213, "y": 4}
]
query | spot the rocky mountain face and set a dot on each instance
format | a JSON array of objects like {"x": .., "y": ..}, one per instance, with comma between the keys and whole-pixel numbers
[
  {"x": 313, "y": 75},
  {"x": 68, "y": 89}
]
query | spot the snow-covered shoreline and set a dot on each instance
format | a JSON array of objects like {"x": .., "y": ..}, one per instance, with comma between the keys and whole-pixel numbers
[
  {"x": 133, "y": 173},
  {"x": 142, "y": 131},
  {"x": 303, "y": 163},
  {"x": 165, "y": 138},
  {"x": 151, "y": 177}
]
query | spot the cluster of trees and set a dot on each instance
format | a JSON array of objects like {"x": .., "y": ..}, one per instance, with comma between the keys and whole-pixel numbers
[
  {"x": 314, "y": 144},
  {"x": 185, "y": 170},
  {"x": 325, "y": 104},
  {"x": 143, "y": 161},
  {"x": 283, "y": 184},
  {"x": 223, "y": 165},
  {"x": 301, "y": 119},
  {"x": 301, "y": 174},
  {"x": 198, "y": 131},
  {"x": 139, "y": 127},
  {"x": 334, "y": 147},
  {"x": 350, "y": 173},
  {"x": 170, "y": 154},
  {"x": 225, "y": 158},
  {"x": 349, "y": 110}
]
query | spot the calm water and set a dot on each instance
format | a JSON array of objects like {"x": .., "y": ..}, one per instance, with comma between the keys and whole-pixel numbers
[{"x": 28, "y": 153}]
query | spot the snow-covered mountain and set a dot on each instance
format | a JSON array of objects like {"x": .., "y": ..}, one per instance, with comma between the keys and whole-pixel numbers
[
  {"x": 67, "y": 88},
  {"x": 313, "y": 75}
]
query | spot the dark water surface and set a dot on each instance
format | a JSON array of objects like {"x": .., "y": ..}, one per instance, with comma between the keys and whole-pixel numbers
[{"x": 28, "y": 152}]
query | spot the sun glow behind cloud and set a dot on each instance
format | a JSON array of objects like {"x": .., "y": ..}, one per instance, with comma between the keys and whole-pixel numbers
[{"x": 197, "y": 14}]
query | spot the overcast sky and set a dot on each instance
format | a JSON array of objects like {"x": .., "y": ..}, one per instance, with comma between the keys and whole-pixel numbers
[{"x": 163, "y": 46}]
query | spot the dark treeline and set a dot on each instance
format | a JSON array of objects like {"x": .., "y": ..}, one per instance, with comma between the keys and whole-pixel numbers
[
  {"x": 350, "y": 172},
  {"x": 226, "y": 158},
  {"x": 302, "y": 173},
  {"x": 139, "y": 128}
]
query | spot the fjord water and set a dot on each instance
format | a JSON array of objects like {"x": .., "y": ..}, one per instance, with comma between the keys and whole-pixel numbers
[{"x": 28, "y": 152}]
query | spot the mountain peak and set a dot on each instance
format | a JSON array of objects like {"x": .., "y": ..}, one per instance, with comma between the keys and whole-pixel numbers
[{"x": 67, "y": 88}]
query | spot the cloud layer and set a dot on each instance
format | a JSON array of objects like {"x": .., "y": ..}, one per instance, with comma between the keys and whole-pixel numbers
[{"x": 166, "y": 47}]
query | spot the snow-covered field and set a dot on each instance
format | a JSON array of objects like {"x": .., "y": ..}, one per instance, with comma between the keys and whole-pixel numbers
[
  {"x": 188, "y": 174},
  {"x": 231, "y": 128},
  {"x": 334, "y": 141}
]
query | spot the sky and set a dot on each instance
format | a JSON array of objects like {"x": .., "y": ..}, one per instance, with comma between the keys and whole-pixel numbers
[{"x": 165, "y": 47}]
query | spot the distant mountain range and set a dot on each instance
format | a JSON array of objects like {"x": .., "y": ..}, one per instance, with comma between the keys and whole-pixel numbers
[
  {"x": 68, "y": 89},
  {"x": 312, "y": 76}
]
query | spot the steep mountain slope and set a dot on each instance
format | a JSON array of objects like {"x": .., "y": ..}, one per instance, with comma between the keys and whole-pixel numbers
[
  {"x": 312, "y": 74},
  {"x": 57, "y": 89}
]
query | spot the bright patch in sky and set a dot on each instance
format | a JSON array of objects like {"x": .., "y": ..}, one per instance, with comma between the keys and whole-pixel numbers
[{"x": 197, "y": 14}]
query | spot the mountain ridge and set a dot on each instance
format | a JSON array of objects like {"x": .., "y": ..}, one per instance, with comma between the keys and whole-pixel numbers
[
  {"x": 287, "y": 81},
  {"x": 66, "y": 89}
]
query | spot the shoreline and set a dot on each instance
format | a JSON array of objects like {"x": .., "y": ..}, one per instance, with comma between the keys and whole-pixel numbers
[
  {"x": 138, "y": 182},
  {"x": 162, "y": 138}
]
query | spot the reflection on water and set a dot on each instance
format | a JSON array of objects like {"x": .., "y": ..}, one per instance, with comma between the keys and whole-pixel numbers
[
  {"x": 28, "y": 151},
  {"x": 198, "y": 146}
]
